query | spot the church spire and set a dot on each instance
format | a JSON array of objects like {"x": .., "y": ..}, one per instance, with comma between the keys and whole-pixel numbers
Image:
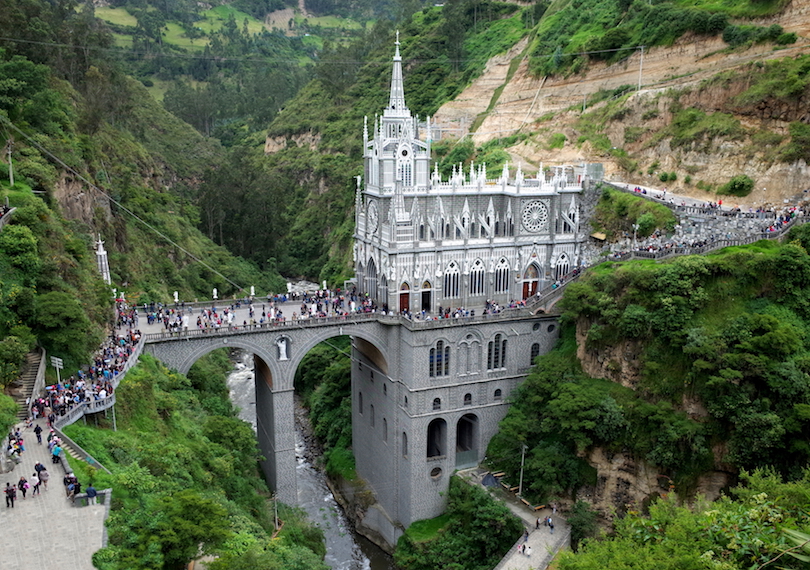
[{"x": 396, "y": 102}]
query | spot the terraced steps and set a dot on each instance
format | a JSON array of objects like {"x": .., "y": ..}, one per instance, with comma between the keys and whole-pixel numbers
[{"x": 27, "y": 380}]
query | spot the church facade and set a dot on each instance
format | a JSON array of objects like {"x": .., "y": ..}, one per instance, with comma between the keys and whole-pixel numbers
[{"x": 422, "y": 242}]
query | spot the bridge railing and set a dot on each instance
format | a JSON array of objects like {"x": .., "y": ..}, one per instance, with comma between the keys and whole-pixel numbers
[
  {"x": 275, "y": 325},
  {"x": 95, "y": 406}
]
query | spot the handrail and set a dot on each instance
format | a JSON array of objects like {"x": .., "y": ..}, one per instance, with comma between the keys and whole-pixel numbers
[
  {"x": 39, "y": 382},
  {"x": 4, "y": 219},
  {"x": 78, "y": 449},
  {"x": 694, "y": 209},
  {"x": 95, "y": 406},
  {"x": 312, "y": 322}
]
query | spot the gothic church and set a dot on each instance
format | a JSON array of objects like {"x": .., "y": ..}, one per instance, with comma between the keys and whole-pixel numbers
[{"x": 422, "y": 242}]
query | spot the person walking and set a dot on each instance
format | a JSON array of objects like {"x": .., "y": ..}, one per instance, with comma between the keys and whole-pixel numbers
[
  {"x": 44, "y": 476},
  {"x": 38, "y": 431},
  {"x": 22, "y": 485},
  {"x": 551, "y": 525},
  {"x": 35, "y": 483},
  {"x": 91, "y": 494},
  {"x": 11, "y": 494},
  {"x": 528, "y": 551}
]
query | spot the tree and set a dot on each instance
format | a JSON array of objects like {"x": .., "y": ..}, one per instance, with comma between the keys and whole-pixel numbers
[{"x": 12, "y": 356}]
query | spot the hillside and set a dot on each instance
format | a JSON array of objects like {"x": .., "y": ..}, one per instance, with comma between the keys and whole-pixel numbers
[{"x": 633, "y": 134}]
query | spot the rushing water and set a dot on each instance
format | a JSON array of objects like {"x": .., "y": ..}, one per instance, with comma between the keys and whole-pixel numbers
[{"x": 344, "y": 549}]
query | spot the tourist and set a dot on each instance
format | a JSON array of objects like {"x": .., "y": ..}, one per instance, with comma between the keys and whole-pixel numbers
[
  {"x": 11, "y": 494},
  {"x": 22, "y": 485},
  {"x": 91, "y": 494},
  {"x": 44, "y": 476},
  {"x": 35, "y": 482}
]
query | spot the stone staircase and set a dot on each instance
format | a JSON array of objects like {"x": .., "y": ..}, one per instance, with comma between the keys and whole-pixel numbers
[{"x": 27, "y": 379}]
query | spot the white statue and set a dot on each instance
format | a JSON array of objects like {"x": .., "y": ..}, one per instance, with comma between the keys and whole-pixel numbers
[{"x": 282, "y": 348}]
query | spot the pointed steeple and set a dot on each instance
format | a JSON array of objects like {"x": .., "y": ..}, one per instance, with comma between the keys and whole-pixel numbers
[{"x": 396, "y": 101}]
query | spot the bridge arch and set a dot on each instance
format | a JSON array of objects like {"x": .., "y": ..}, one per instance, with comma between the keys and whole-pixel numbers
[{"x": 201, "y": 349}]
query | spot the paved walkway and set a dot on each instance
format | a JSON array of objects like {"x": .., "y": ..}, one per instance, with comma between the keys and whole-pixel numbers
[
  {"x": 47, "y": 530},
  {"x": 544, "y": 544}
]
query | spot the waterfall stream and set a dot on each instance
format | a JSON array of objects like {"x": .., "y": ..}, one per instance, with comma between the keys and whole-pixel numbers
[{"x": 345, "y": 550}]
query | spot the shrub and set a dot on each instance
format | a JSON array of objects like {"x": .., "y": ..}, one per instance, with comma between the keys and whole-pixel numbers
[
  {"x": 740, "y": 185},
  {"x": 557, "y": 140}
]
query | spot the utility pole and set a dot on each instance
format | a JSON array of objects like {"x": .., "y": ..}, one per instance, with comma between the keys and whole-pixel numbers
[
  {"x": 522, "y": 458},
  {"x": 10, "y": 166},
  {"x": 640, "y": 68}
]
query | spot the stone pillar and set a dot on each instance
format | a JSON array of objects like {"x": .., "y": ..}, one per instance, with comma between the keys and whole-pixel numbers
[{"x": 275, "y": 429}]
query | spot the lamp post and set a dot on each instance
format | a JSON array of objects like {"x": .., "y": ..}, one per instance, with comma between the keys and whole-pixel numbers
[
  {"x": 635, "y": 229},
  {"x": 522, "y": 458}
]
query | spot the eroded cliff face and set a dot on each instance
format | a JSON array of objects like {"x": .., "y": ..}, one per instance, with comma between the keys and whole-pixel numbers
[{"x": 542, "y": 106}]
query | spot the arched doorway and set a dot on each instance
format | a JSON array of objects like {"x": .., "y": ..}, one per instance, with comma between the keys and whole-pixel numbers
[
  {"x": 437, "y": 438},
  {"x": 427, "y": 296},
  {"x": 530, "y": 280},
  {"x": 404, "y": 298},
  {"x": 467, "y": 441}
]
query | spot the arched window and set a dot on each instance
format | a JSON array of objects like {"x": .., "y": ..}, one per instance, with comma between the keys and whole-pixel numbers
[
  {"x": 371, "y": 278},
  {"x": 534, "y": 353},
  {"x": 496, "y": 352},
  {"x": 451, "y": 281},
  {"x": 421, "y": 231},
  {"x": 562, "y": 268},
  {"x": 404, "y": 444},
  {"x": 439, "y": 363},
  {"x": 502, "y": 276},
  {"x": 477, "y": 278},
  {"x": 360, "y": 402},
  {"x": 468, "y": 399},
  {"x": 385, "y": 430},
  {"x": 498, "y": 394},
  {"x": 437, "y": 404}
]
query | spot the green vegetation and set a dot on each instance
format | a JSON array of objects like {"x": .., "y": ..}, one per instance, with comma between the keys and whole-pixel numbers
[
  {"x": 474, "y": 533},
  {"x": 557, "y": 140},
  {"x": 323, "y": 380},
  {"x": 616, "y": 213},
  {"x": 740, "y": 185},
  {"x": 752, "y": 528},
  {"x": 195, "y": 486},
  {"x": 727, "y": 330}
]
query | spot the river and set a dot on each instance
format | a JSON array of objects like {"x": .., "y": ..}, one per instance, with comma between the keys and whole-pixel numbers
[{"x": 345, "y": 550}]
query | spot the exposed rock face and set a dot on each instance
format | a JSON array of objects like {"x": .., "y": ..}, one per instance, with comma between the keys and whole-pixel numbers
[
  {"x": 618, "y": 363},
  {"x": 80, "y": 202},
  {"x": 625, "y": 482},
  {"x": 308, "y": 139}
]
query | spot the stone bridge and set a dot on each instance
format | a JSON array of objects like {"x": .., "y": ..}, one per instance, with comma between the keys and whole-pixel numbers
[{"x": 426, "y": 395}]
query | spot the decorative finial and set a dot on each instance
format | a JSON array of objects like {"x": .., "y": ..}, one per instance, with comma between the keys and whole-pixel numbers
[{"x": 397, "y": 42}]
